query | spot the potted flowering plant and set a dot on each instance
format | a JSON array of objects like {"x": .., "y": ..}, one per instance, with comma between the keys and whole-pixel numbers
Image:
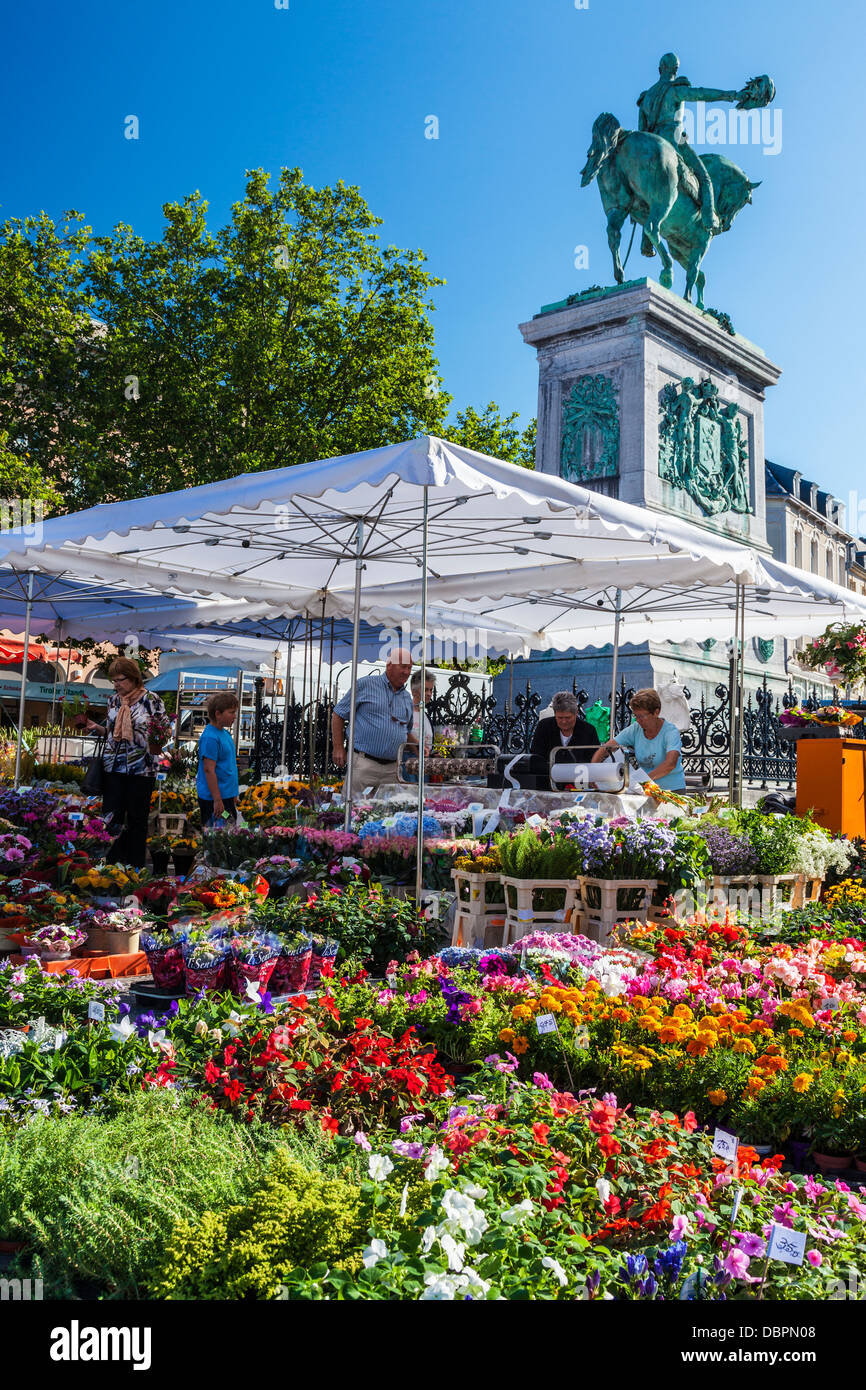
[
  {"x": 162, "y": 946},
  {"x": 116, "y": 933},
  {"x": 253, "y": 957},
  {"x": 841, "y": 650},
  {"x": 292, "y": 966},
  {"x": 183, "y": 852},
  {"x": 76, "y": 708},
  {"x": 56, "y": 942},
  {"x": 160, "y": 853},
  {"x": 158, "y": 732}
]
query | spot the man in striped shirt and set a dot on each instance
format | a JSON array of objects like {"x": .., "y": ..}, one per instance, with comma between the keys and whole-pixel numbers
[{"x": 381, "y": 721}]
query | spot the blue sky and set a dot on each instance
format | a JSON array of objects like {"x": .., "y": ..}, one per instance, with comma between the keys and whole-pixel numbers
[{"x": 342, "y": 88}]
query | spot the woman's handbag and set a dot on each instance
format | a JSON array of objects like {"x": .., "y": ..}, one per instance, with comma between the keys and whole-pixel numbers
[{"x": 91, "y": 783}]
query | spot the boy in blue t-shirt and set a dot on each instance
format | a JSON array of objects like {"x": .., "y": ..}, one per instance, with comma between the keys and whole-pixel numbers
[{"x": 217, "y": 778}]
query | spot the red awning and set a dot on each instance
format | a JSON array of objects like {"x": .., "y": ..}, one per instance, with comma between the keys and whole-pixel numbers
[{"x": 11, "y": 652}]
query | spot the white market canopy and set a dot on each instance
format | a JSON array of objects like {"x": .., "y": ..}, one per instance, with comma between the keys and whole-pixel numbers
[{"x": 293, "y": 535}]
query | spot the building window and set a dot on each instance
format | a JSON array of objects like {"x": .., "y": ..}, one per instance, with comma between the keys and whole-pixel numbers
[
  {"x": 798, "y": 549},
  {"x": 813, "y": 558},
  {"x": 828, "y": 564}
]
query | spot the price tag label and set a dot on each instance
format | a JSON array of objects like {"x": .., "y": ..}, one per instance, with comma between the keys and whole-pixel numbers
[
  {"x": 76, "y": 815},
  {"x": 831, "y": 1003},
  {"x": 725, "y": 1145},
  {"x": 368, "y": 791},
  {"x": 786, "y": 1245},
  {"x": 161, "y": 776},
  {"x": 738, "y": 1197},
  {"x": 391, "y": 981},
  {"x": 546, "y": 1023},
  {"x": 96, "y": 1011}
]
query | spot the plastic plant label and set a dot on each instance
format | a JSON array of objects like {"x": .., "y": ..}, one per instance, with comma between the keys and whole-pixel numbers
[
  {"x": 525, "y": 914},
  {"x": 96, "y": 1011},
  {"x": 581, "y": 1040},
  {"x": 738, "y": 1197},
  {"x": 76, "y": 815},
  {"x": 725, "y": 1145},
  {"x": 391, "y": 981},
  {"x": 546, "y": 1023},
  {"x": 786, "y": 1245},
  {"x": 161, "y": 776},
  {"x": 368, "y": 791},
  {"x": 831, "y": 1003}
]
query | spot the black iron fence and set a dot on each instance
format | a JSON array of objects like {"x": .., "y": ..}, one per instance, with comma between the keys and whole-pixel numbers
[{"x": 768, "y": 759}]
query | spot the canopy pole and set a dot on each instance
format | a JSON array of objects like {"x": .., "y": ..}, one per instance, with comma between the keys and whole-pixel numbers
[
  {"x": 422, "y": 714},
  {"x": 286, "y": 703},
  {"x": 617, "y": 620},
  {"x": 735, "y": 763},
  {"x": 318, "y": 704},
  {"x": 329, "y": 706},
  {"x": 741, "y": 701},
  {"x": 23, "y": 695},
  {"x": 356, "y": 622}
]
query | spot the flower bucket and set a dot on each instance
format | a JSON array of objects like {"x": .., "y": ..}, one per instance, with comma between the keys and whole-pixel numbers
[
  {"x": 291, "y": 970},
  {"x": 210, "y": 978},
  {"x": 62, "y": 951},
  {"x": 241, "y": 972},
  {"x": 166, "y": 966},
  {"x": 122, "y": 943},
  {"x": 318, "y": 959}
]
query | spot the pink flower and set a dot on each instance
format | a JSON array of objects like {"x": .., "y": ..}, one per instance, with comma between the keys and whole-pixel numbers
[
  {"x": 680, "y": 1228},
  {"x": 751, "y": 1245},
  {"x": 737, "y": 1264},
  {"x": 857, "y": 1206},
  {"x": 815, "y": 1258}
]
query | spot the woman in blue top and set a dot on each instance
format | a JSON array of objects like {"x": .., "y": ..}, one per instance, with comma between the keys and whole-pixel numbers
[
  {"x": 217, "y": 779},
  {"x": 655, "y": 742}
]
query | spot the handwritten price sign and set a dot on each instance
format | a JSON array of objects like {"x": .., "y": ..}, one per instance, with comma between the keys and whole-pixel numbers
[
  {"x": 786, "y": 1245},
  {"x": 725, "y": 1145},
  {"x": 546, "y": 1023}
]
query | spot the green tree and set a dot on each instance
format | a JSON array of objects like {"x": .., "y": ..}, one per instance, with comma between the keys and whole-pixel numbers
[
  {"x": 45, "y": 332},
  {"x": 494, "y": 434},
  {"x": 140, "y": 366}
]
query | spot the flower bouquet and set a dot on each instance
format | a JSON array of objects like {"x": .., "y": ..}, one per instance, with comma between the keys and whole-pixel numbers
[
  {"x": 116, "y": 932},
  {"x": 162, "y": 946},
  {"x": 841, "y": 650},
  {"x": 205, "y": 961},
  {"x": 278, "y": 870},
  {"x": 324, "y": 951},
  {"x": 292, "y": 966},
  {"x": 253, "y": 958},
  {"x": 108, "y": 882},
  {"x": 14, "y": 850},
  {"x": 344, "y": 870},
  {"x": 56, "y": 942},
  {"x": 158, "y": 732}
]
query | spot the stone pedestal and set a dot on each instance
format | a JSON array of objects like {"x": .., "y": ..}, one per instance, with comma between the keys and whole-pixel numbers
[
  {"x": 643, "y": 397},
  {"x": 614, "y": 415}
]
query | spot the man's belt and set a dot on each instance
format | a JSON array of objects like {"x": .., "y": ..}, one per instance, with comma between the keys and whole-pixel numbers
[{"x": 386, "y": 762}]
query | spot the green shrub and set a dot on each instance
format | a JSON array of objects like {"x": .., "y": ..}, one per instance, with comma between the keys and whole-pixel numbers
[
  {"x": 96, "y": 1199},
  {"x": 296, "y": 1219}
]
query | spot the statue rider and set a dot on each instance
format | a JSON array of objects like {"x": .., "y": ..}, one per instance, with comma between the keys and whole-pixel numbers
[{"x": 661, "y": 113}]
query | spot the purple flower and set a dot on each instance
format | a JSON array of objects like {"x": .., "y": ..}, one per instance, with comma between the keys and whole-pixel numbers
[
  {"x": 408, "y": 1150},
  {"x": 540, "y": 1078},
  {"x": 751, "y": 1245}
]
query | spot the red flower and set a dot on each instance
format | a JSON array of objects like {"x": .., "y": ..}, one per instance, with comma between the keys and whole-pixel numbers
[
  {"x": 690, "y": 1124},
  {"x": 608, "y": 1145},
  {"x": 296, "y": 1104},
  {"x": 540, "y": 1132},
  {"x": 329, "y": 1124},
  {"x": 212, "y": 1073},
  {"x": 232, "y": 1091}
]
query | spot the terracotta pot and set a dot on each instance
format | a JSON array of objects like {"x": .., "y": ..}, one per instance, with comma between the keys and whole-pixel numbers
[
  {"x": 833, "y": 1163},
  {"x": 860, "y": 1165}
]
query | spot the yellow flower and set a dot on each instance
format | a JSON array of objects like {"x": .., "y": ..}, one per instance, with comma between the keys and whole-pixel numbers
[
  {"x": 717, "y": 1097},
  {"x": 802, "y": 1082},
  {"x": 520, "y": 1045},
  {"x": 507, "y": 1035},
  {"x": 520, "y": 1011},
  {"x": 743, "y": 1045}
]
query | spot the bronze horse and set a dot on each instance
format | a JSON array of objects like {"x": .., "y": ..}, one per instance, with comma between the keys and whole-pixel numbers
[{"x": 641, "y": 176}]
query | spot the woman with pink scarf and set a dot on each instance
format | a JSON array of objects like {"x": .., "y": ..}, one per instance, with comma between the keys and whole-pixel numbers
[{"x": 128, "y": 765}]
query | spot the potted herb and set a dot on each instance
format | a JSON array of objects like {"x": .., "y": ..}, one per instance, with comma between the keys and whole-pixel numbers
[{"x": 76, "y": 709}]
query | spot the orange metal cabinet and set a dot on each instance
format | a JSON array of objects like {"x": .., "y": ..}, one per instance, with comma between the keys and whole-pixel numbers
[{"x": 831, "y": 782}]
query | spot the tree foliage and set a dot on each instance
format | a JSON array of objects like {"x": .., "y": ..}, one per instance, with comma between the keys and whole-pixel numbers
[
  {"x": 134, "y": 366},
  {"x": 493, "y": 433}
]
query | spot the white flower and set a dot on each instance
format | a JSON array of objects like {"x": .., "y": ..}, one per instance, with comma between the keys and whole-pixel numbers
[
  {"x": 471, "y": 1189},
  {"x": 556, "y": 1268},
  {"x": 158, "y": 1041},
  {"x": 602, "y": 1187},
  {"x": 374, "y": 1252},
  {"x": 514, "y": 1215},
  {"x": 427, "y": 1239},
  {"x": 437, "y": 1163},
  {"x": 403, "y": 1198},
  {"x": 454, "y": 1252},
  {"x": 379, "y": 1166},
  {"x": 251, "y": 990},
  {"x": 439, "y": 1286},
  {"x": 121, "y": 1032},
  {"x": 462, "y": 1216}
]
